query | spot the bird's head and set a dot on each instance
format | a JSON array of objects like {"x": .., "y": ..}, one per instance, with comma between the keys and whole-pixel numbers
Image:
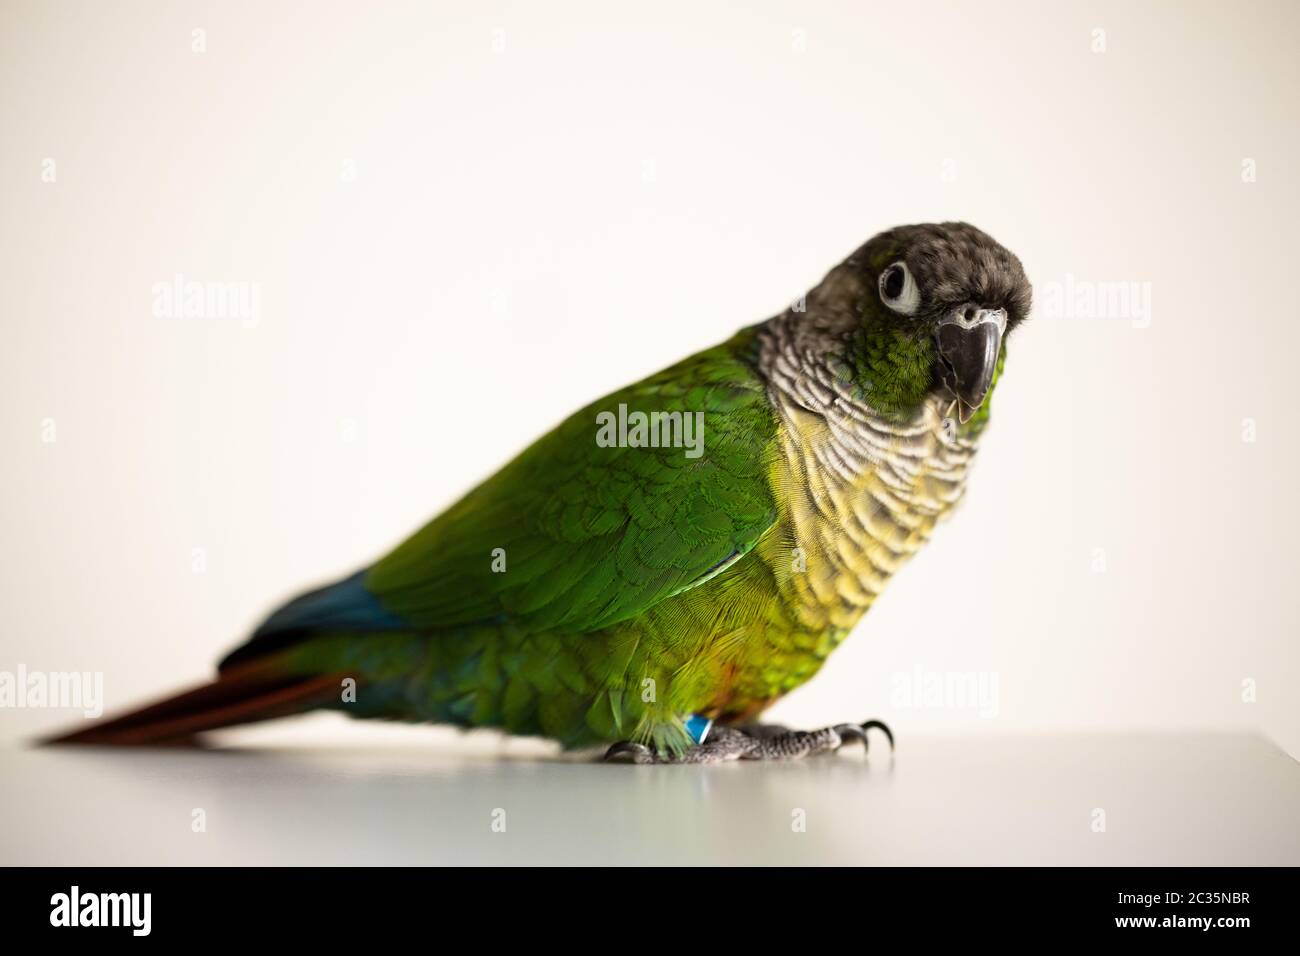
[{"x": 935, "y": 303}]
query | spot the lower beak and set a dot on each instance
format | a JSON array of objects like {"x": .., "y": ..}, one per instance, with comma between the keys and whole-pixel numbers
[{"x": 969, "y": 341}]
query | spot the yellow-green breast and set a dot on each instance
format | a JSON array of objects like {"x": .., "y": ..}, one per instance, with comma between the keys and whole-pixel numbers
[{"x": 858, "y": 494}]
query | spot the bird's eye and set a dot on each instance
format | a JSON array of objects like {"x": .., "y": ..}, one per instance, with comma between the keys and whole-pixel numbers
[{"x": 898, "y": 289}]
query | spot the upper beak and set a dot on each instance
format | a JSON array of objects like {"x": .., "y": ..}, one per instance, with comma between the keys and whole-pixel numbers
[{"x": 969, "y": 340}]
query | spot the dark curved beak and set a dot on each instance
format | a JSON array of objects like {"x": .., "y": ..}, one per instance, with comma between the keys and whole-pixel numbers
[{"x": 969, "y": 340}]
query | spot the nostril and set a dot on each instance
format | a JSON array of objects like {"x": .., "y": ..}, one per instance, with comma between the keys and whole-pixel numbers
[{"x": 969, "y": 313}]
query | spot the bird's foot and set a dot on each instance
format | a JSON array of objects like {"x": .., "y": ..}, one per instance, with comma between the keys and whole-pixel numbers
[{"x": 757, "y": 742}]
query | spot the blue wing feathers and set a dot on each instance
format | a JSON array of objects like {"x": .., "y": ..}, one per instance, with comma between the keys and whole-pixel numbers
[{"x": 344, "y": 606}]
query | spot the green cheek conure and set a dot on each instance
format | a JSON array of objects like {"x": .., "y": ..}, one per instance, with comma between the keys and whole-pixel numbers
[{"x": 670, "y": 560}]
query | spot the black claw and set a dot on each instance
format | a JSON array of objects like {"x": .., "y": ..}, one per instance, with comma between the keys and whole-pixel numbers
[
  {"x": 639, "y": 753},
  {"x": 883, "y": 728},
  {"x": 851, "y": 732}
]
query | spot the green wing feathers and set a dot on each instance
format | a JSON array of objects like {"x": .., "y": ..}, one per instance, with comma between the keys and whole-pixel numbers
[{"x": 589, "y": 536}]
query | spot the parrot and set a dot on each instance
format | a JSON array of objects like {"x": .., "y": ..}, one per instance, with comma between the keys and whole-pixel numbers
[{"x": 649, "y": 577}]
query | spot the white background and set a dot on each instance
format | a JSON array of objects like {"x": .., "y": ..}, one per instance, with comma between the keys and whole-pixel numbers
[{"x": 550, "y": 202}]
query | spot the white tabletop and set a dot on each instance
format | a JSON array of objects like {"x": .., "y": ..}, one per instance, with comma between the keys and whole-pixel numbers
[{"x": 1166, "y": 799}]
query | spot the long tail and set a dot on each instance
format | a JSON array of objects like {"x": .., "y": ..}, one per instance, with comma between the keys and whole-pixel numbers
[{"x": 241, "y": 694}]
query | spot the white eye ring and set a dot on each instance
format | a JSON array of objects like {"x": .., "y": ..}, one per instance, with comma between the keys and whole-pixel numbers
[{"x": 897, "y": 278}]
